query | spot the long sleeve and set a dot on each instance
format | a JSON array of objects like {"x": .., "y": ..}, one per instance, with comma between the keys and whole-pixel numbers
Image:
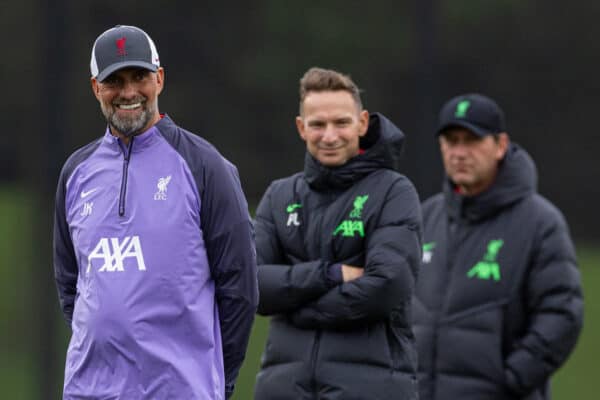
[
  {"x": 393, "y": 252},
  {"x": 230, "y": 246},
  {"x": 284, "y": 285},
  {"x": 65, "y": 263},
  {"x": 555, "y": 310}
]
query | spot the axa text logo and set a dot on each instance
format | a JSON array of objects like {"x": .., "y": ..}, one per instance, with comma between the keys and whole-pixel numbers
[
  {"x": 349, "y": 227},
  {"x": 113, "y": 252}
]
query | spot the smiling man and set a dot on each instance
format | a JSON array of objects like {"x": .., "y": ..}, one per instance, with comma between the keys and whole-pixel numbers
[
  {"x": 154, "y": 254},
  {"x": 338, "y": 246},
  {"x": 129, "y": 99},
  {"x": 498, "y": 305}
]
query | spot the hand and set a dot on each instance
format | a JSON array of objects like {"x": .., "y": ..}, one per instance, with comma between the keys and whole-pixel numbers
[{"x": 351, "y": 272}]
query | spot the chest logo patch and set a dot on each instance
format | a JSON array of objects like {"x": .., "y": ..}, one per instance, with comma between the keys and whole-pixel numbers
[
  {"x": 428, "y": 252},
  {"x": 350, "y": 227},
  {"x": 86, "y": 193},
  {"x": 162, "y": 188},
  {"x": 461, "y": 109},
  {"x": 488, "y": 268},
  {"x": 86, "y": 211},
  {"x": 293, "y": 214},
  {"x": 113, "y": 252}
]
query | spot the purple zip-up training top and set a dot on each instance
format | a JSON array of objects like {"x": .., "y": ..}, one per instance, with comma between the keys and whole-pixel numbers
[{"x": 155, "y": 266}]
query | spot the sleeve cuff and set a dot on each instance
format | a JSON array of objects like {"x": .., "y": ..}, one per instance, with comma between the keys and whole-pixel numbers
[
  {"x": 228, "y": 391},
  {"x": 334, "y": 274}
]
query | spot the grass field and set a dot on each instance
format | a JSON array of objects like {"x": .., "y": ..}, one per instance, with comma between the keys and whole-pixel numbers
[
  {"x": 576, "y": 380},
  {"x": 15, "y": 272}
]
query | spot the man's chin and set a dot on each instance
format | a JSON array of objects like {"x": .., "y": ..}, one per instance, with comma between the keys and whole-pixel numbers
[
  {"x": 463, "y": 182},
  {"x": 331, "y": 162},
  {"x": 330, "y": 158},
  {"x": 128, "y": 128}
]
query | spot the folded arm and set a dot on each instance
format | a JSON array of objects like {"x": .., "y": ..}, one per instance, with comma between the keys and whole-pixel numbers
[
  {"x": 284, "y": 284},
  {"x": 392, "y": 256}
]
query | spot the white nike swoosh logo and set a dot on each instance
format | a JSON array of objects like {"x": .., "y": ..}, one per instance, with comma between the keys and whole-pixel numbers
[{"x": 85, "y": 194}]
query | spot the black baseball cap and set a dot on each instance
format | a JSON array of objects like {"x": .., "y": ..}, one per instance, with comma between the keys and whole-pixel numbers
[
  {"x": 120, "y": 47},
  {"x": 475, "y": 112}
]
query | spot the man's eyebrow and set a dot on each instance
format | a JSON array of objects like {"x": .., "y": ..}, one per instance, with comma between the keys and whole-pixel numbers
[{"x": 110, "y": 77}]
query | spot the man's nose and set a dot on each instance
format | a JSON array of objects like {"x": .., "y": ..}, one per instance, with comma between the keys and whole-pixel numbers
[
  {"x": 128, "y": 89},
  {"x": 330, "y": 134},
  {"x": 459, "y": 149}
]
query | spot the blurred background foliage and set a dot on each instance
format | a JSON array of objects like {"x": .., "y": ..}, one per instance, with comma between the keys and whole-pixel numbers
[{"x": 232, "y": 71}]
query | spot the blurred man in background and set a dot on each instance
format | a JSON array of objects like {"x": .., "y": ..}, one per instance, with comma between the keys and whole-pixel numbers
[
  {"x": 498, "y": 305},
  {"x": 338, "y": 247},
  {"x": 153, "y": 250}
]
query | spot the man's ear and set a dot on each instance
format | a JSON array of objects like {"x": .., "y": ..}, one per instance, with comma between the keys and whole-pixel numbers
[
  {"x": 300, "y": 127},
  {"x": 95, "y": 87},
  {"x": 160, "y": 79},
  {"x": 503, "y": 144},
  {"x": 363, "y": 119}
]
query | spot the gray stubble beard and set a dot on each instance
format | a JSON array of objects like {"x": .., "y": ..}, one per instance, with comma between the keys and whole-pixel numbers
[{"x": 130, "y": 127}]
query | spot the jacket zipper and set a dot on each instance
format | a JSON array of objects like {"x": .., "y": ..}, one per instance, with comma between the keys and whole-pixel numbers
[
  {"x": 313, "y": 361},
  {"x": 123, "y": 191},
  {"x": 315, "y": 348},
  {"x": 324, "y": 250},
  {"x": 452, "y": 242}
]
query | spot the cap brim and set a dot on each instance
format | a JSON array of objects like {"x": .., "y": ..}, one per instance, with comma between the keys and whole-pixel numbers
[
  {"x": 479, "y": 131},
  {"x": 102, "y": 75}
]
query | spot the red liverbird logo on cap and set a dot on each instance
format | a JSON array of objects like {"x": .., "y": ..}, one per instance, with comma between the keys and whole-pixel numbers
[{"x": 121, "y": 46}]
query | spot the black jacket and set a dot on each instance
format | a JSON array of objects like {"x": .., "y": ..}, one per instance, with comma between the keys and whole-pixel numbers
[
  {"x": 351, "y": 340},
  {"x": 498, "y": 304}
]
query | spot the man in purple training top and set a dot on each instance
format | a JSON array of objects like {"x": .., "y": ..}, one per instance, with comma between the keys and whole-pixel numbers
[{"x": 153, "y": 247}]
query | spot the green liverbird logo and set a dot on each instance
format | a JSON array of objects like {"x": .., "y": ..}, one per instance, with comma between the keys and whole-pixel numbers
[
  {"x": 488, "y": 268},
  {"x": 350, "y": 227},
  {"x": 359, "y": 203},
  {"x": 461, "y": 109}
]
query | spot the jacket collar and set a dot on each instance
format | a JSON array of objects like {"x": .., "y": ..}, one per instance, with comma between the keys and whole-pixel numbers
[{"x": 144, "y": 139}]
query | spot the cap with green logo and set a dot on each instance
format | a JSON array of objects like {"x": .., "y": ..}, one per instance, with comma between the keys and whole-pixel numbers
[{"x": 475, "y": 112}]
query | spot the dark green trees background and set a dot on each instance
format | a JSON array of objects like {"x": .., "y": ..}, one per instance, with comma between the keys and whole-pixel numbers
[{"x": 232, "y": 71}]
